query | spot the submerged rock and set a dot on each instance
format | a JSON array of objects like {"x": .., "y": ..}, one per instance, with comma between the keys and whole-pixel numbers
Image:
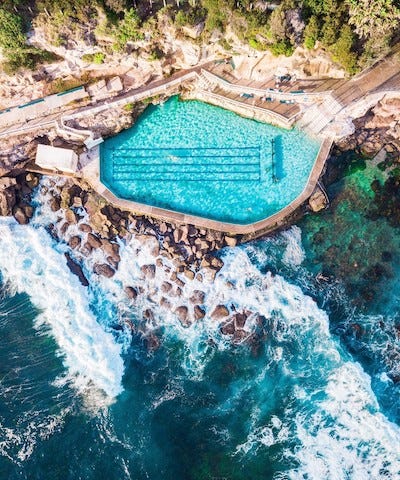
[{"x": 76, "y": 269}]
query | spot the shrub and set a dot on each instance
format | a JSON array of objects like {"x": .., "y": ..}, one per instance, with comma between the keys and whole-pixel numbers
[
  {"x": 283, "y": 47},
  {"x": 257, "y": 45},
  {"x": 97, "y": 58}
]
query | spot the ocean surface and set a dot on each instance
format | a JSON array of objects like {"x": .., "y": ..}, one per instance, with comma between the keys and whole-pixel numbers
[{"x": 317, "y": 398}]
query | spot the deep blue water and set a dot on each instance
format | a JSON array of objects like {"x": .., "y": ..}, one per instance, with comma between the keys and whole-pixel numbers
[
  {"x": 195, "y": 158},
  {"x": 315, "y": 398}
]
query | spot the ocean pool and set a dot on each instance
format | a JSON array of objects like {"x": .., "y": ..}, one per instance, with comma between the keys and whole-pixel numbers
[{"x": 198, "y": 159}]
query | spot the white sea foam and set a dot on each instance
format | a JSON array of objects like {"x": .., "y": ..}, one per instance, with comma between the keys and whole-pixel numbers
[
  {"x": 294, "y": 253},
  {"x": 347, "y": 436},
  {"x": 31, "y": 264}
]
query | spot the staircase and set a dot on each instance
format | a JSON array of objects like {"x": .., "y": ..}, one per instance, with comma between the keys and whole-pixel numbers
[
  {"x": 204, "y": 82},
  {"x": 318, "y": 116}
]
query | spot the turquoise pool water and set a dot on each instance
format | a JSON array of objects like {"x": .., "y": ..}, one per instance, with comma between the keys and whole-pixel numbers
[{"x": 195, "y": 158}]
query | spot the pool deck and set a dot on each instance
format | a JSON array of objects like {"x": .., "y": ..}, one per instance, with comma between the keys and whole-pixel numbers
[{"x": 90, "y": 170}]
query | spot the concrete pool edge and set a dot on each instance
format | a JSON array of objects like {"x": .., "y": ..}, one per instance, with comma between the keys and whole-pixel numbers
[{"x": 91, "y": 173}]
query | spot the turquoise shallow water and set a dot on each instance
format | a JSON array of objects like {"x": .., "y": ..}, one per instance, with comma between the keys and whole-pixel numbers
[{"x": 199, "y": 159}]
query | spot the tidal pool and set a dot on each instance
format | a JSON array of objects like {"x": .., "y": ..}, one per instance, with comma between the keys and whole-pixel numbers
[{"x": 198, "y": 159}]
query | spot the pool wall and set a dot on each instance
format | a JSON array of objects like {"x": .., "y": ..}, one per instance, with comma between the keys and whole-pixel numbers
[
  {"x": 248, "y": 111},
  {"x": 91, "y": 173}
]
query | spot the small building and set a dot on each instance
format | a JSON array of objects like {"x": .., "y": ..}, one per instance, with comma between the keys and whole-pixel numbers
[{"x": 56, "y": 158}]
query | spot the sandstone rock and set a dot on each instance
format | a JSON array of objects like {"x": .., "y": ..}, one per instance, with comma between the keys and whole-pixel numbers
[
  {"x": 197, "y": 297},
  {"x": 317, "y": 201},
  {"x": 149, "y": 271},
  {"x": 159, "y": 263},
  {"x": 55, "y": 204},
  {"x": 239, "y": 320},
  {"x": 163, "y": 228},
  {"x": 74, "y": 242},
  {"x": 182, "y": 313},
  {"x": 188, "y": 274},
  {"x": 84, "y": 227},
  {"x": 228, "y": 328},
  {"x": 104, "y": 269},
  {"x": 239, "y": 336},
  {"x": 70, "y": 216},
  {"x": 28, "y": 210},
  {"x": 209, "y": 273},
  {"x": 165, "y": 303},
  {"x": 166, "y": 287},
  {"x": 198, "y": 312},
  {"x": 77, "y": 202},
  {"x": 181, "y": 234},
  {"x": 114, "y": 261},
  {"x": 230, "y": 241},
  {"x": 109, "y": 248},
  {"x": 148, "y": 241},
  {"x": 131, "y": 292},
  {"x": 7, "y": 202},
  {"x": 93, "y": 241},
  {"x": 219, "y": 312},
  {"x": 20, "y": 216},
  {"x": 7, "y": 182},
  {"x": 217, "y": 262},
  {"x": 32, "y": 180}
]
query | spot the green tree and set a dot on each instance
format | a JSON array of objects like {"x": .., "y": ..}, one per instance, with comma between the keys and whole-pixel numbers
[
  {"x": 374, "y": 18},
  {"x": 311, "y": 32},
  {"x": 128, "y": 29},
  {"x": 342, "y": 50},
  {"x": 12, "y": 36}
]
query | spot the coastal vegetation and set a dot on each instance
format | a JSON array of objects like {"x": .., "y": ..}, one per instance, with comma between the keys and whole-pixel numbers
[{"x": 355, "y": 33}]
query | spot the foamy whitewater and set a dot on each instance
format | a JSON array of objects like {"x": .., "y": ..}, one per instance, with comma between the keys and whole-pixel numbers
[{"x": 299, "y": 408}]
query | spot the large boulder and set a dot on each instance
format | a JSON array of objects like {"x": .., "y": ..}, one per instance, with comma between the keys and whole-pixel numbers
[
  {"x": 7, "y": 202},
  {"x": 317, "y": 201},
  {"x": 198, "y": 312},
  {"x": 104, "y": 269},
  {"x": 93, "y": 241},
  {"x": 74, "y": 241},
  {"x": 131, "y": 292},
  {"x": 149, "y": 271},
  {"x": 219, "y": 312},
  {"x": 197, "y": 297},
  {"x": 182, "y": 313},
  {"x": 20, "y": 216}
]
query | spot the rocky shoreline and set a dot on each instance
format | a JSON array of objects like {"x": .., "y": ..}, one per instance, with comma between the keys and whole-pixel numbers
[{"x": 92, "y": 229}]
